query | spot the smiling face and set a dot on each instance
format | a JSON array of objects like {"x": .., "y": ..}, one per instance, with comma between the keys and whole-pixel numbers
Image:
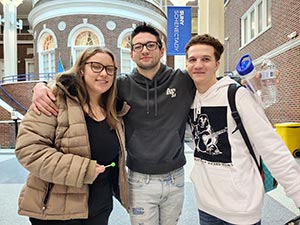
[
  {"x": 98, "y": 83},
  {"x": 148, "y": 61},
  {"x": 202, "y": 66}
]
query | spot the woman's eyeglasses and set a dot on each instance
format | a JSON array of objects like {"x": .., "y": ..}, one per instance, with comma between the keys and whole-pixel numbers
[
  {"x": 150, "y": 45},
  {"x": 97, "y": 67}
]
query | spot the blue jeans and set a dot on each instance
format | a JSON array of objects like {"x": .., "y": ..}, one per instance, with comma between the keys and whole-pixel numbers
[
  {"x": 207, "y": 219},
  {"x": 156, "y": 199}
]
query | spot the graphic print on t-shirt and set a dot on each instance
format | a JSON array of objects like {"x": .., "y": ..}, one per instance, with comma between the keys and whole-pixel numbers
[{"x": 209, "y": 129}]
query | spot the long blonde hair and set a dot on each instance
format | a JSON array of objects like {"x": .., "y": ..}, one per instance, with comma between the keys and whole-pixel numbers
[{"x": 108, "y": 99}]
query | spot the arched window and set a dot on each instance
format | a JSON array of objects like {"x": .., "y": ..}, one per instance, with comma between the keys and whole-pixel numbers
[
  {"x": 83, "y": 40},
  {"x": 47, "y": 45},
  {"x": 124, "y": 44},
  {"x": 82, "y": 36},
  {"x": 126, "y": 63}
]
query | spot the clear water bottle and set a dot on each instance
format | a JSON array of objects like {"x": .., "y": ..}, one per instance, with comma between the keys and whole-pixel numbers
[
  {"x": 268, "y": 80},
  {"x": 247, "y": 71}
]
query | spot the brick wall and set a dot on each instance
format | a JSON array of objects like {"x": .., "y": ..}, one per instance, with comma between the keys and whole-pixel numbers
[
  {"x": 21, "y": 91},
  {"x": 7, "y": 138},
  {"x": 111, "y": 36},
  {"x": 285, "y": 20}
]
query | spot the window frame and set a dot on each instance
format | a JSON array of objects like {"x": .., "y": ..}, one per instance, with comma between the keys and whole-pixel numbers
[
  {"x": 251, "y": 21},
  {"x": 77, "y": 49},
  {"x": 77, "y": 30},
  {"x": 48, "y": 66},
  {"x": 126, "y": 64}
]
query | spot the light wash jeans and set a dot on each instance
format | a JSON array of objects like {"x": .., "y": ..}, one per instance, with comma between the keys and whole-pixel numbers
[
  {"x": 207, "y": 219},
  {"x": 156, "y": 199}
]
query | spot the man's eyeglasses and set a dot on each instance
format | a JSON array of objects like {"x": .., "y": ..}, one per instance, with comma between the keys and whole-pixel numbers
[
  {"x": 150, "y": 45},
  {"x": 97, "y": 67}
]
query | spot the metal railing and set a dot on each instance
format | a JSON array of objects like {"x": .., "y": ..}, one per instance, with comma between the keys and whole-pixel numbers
[
  {"x": 27, "y": 77},
  {"x": 12, "y": 98}
]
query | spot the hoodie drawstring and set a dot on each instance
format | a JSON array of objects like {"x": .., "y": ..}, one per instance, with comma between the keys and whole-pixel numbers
[
  {"x": 155, "y": 97},
  {"x": 197, "y": 105},
  {"x": 148, "y": 97}
]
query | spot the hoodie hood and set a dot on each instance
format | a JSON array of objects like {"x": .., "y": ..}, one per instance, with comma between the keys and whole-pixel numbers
[
  {"x": 159, "y": 78},
  {"x": 210, "y": 94},
  {"x": 67, "y": 83}
]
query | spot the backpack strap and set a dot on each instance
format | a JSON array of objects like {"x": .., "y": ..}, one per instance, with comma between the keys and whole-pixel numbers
[{"x": 236, "y": 116}]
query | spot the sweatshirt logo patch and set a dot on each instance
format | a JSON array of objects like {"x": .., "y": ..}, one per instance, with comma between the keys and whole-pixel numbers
[{"x": 171, "y": 92}]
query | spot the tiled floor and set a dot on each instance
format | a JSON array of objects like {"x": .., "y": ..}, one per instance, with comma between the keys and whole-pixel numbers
[{"x": 278, "y": 208}]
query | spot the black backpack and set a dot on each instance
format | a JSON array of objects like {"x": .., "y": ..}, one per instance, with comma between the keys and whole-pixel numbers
[{"x": 269, "y": 181}]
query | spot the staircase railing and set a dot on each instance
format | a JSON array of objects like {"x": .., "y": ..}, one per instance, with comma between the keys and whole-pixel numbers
[
  {"x": 13, "y": 99},
  {"x": 26, "y": 77}
]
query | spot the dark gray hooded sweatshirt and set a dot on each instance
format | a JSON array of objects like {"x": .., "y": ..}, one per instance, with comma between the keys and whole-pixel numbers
[{"x": 155, "y": 124}]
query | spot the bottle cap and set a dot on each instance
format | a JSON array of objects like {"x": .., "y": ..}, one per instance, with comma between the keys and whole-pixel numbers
[{"x": 245, "y": 65}]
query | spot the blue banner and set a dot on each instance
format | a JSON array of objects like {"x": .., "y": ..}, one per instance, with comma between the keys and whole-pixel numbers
[{"x": 179, "y": 29}]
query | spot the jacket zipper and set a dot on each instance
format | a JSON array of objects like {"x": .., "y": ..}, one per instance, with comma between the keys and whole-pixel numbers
[{"x": 46, "y": 198}]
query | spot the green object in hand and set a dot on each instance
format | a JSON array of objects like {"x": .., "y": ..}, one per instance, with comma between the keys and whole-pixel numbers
[{"x": 113, "y": 164}]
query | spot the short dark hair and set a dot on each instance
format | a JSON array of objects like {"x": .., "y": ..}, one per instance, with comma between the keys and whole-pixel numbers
[
  {"x": 145, "y": 28},
  {"x": 206, "y": 39}
]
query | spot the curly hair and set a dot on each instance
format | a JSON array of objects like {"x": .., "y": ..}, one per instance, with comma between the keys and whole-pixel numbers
[{"x": 206, "y": 39}]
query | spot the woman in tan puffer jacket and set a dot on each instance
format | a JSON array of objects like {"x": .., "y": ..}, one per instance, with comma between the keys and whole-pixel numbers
[{"x": 66, "y": 155}]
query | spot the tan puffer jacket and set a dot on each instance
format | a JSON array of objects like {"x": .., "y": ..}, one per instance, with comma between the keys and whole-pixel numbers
[{"x": 56, "y": 152}]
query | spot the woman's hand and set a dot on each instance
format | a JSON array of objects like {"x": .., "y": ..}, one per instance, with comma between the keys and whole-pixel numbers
[{"x": 99, "y": 169}]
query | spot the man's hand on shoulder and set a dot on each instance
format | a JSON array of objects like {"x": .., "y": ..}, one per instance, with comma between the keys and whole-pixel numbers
[{"x": 43, "y": 100}]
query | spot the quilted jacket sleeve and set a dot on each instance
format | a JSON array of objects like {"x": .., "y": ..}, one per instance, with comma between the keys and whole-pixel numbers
[{"x": 38, "y": 152}]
